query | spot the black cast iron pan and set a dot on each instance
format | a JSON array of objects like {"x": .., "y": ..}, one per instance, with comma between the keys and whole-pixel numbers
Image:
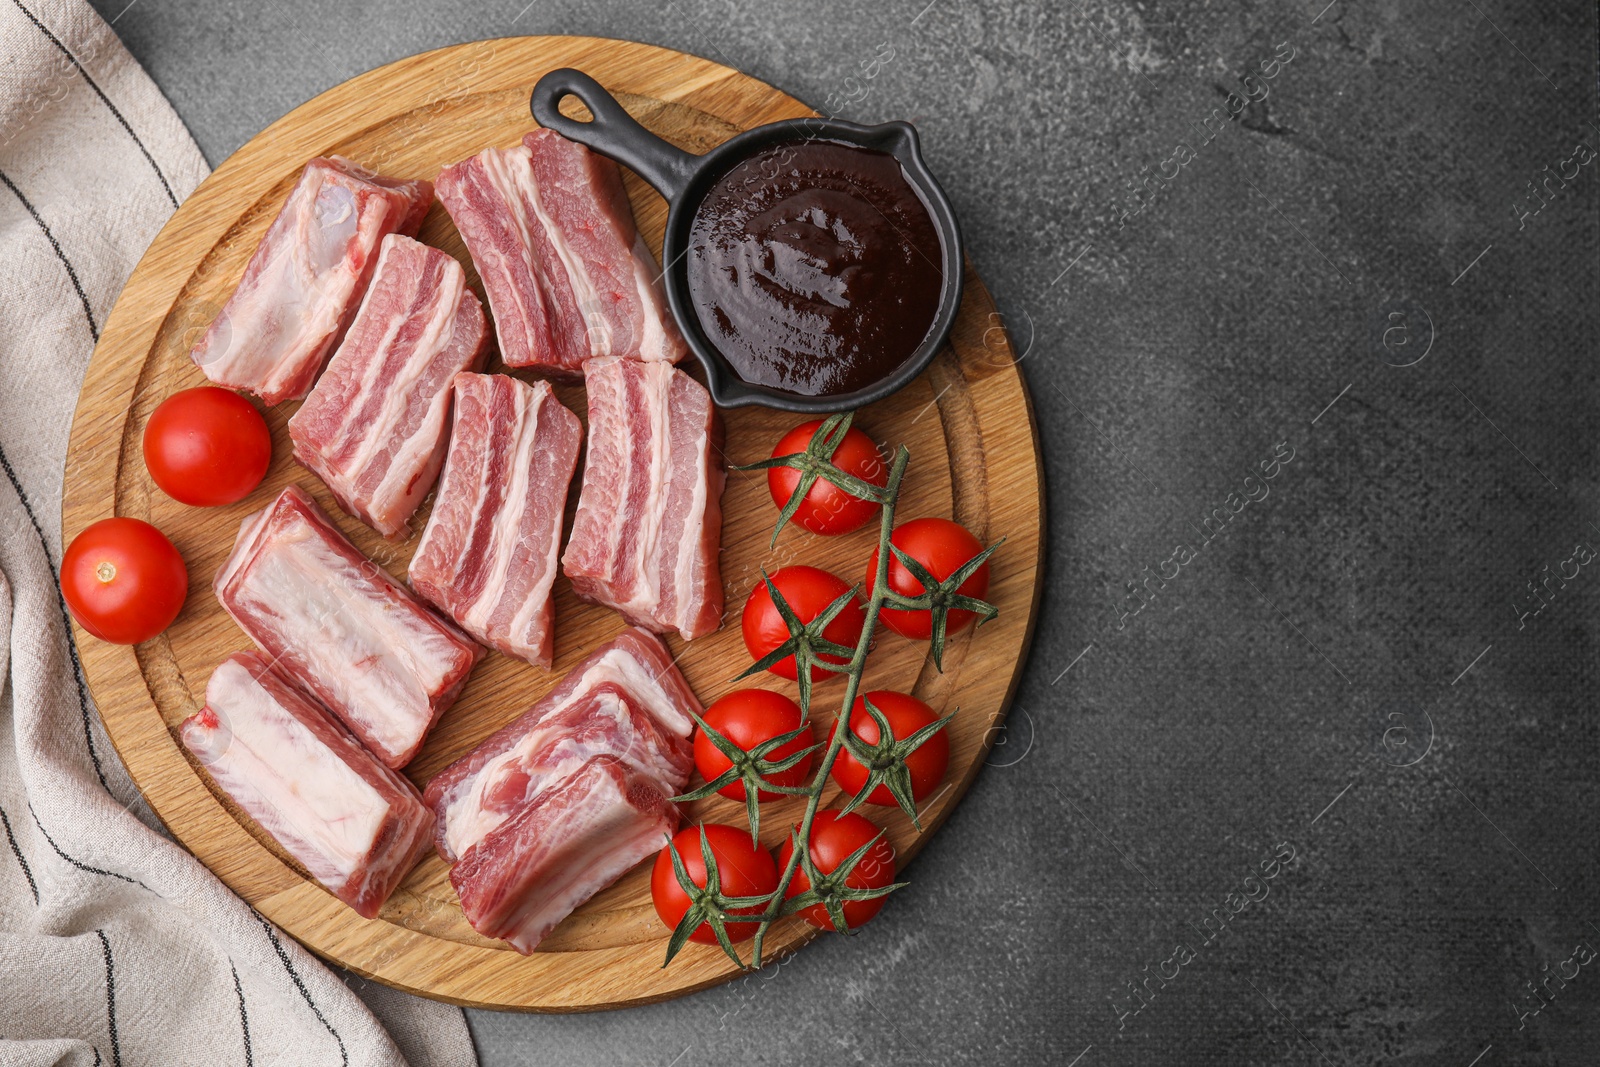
[{"x": 684, "y": 179}]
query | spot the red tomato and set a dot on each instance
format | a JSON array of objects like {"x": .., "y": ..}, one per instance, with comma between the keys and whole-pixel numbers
[
  {"x": 748, "y": 717},
  {"x": 808, "y": 591},
  {"x": 123, "y": 580},
  {"x": 207, "y": 446},
  {"x": 942, "y": 547},
  {"x": 906, "y": 715},
  {"x": 827, "y": 509},
  {"x": 833, "y": 838},
  {"x": 745, "y": 870}
]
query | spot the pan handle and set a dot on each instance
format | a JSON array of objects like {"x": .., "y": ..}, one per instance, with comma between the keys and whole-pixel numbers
[{"x": 613, "y": 132}]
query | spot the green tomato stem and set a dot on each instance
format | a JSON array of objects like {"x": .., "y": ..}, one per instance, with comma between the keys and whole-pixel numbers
[{"x": 853, "y": 672}]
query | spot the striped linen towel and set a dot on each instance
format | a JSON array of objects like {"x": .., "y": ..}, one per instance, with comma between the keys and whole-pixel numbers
[{"x": 116, "y": 946}]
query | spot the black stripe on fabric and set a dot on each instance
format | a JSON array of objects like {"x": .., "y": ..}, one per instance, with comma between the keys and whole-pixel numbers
[
  {"x": 344, "y": 1056},
  {"x": 16, "y": 850},
  {"x": 81, "y": 866},
  {"x": 97, "y": 1060},
  {"x": 111, "y": 998},
  {"x": 94, "y": 330},
  {"x": 66, "y": 620},
  {"x": 162, "y": 178},
  {"x": 244, "y": 1019}
]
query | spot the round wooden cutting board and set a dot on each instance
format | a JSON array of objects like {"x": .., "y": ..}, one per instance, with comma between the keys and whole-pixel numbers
[{"x": 967, "y": 422}]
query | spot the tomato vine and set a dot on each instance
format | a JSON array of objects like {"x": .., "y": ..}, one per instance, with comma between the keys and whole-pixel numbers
[{"x": 806, "y": 644}]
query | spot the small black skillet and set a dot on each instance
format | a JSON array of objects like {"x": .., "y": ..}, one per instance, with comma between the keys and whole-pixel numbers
[{"x": 684, "y": 179}]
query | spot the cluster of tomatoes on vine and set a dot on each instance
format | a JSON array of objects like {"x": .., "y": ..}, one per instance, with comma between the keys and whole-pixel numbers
[{"x": 758, "y": 746}]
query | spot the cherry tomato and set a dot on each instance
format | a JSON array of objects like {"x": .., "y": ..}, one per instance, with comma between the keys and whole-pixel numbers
[
  {"x": 748, "y": 717},
  {"x": 123, "y": 580},
  {"x": 827, "y": 509},
  {"x": 207, "y": 446},
  {"x": 745, "y": 870},
  {"x": 833, "y": 838},
  {"x": 942, "y": 547},
  {"x": 906, "y": 715},
  {"x": 808, "y": 591}
]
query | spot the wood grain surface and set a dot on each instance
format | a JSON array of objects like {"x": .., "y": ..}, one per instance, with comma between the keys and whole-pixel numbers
[{"x": 967, "y": 421}]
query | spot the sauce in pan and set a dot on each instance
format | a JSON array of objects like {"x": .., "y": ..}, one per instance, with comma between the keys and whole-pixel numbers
[{"x": 814, "y": 267}]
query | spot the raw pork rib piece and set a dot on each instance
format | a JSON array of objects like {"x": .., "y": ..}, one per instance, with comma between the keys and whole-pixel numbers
[
  {"x": 576, "y": 839},
  {"x": 302, "y": 285},
  {"x": 649, "y": 522},
  {"x": 627, "y": 699},
  {"x": 488, "y": 554},
  {"x": 336, "y": 623},
  {"x": 375, "y": 424},
  {"x": 567, "y": 273},
  {"x": 356, "y": 825}
]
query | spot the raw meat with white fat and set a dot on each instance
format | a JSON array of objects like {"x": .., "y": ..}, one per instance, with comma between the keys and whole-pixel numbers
[
  {"x": 488, "y": 555},
  {"x": 627, "y": 699},
  {"x": 567, "y": 273},
  {"x": 301, "y": 287},
  {"x": 649, "y": 524},
  {"x": 353, "y": 823},
  {"x": 382, "y": 662},
  {"x": 577, "y": 838},
  {"x": 375, "y": 425}
]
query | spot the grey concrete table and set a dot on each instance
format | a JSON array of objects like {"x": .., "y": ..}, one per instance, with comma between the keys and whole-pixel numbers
[{"x": 1302, "y": 769}]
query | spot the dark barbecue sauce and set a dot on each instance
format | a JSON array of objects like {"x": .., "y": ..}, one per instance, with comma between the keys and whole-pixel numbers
[{"x": 814, "y": 267}]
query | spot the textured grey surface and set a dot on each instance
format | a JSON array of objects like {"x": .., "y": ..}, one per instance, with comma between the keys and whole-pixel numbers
[{"x": 1316, "y": 651}]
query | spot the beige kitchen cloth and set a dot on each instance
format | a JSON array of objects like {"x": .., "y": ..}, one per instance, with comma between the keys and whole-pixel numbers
[{"x": 116, "y": 946}]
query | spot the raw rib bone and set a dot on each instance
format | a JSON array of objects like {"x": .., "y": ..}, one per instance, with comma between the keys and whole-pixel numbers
[
  {"x": 353, "y": 823},
  {"x": 576, "y": 839},
  {"x": 301, "y": 287},
  {"x": 375, "y": 425},
  {"x": 488, "y": 554},
  {"x": 627, "y": 699},
  {"x": 337, "y": 624},
  {"x": 567, "y": 274},
  {"x": 649, "y": 523}
]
